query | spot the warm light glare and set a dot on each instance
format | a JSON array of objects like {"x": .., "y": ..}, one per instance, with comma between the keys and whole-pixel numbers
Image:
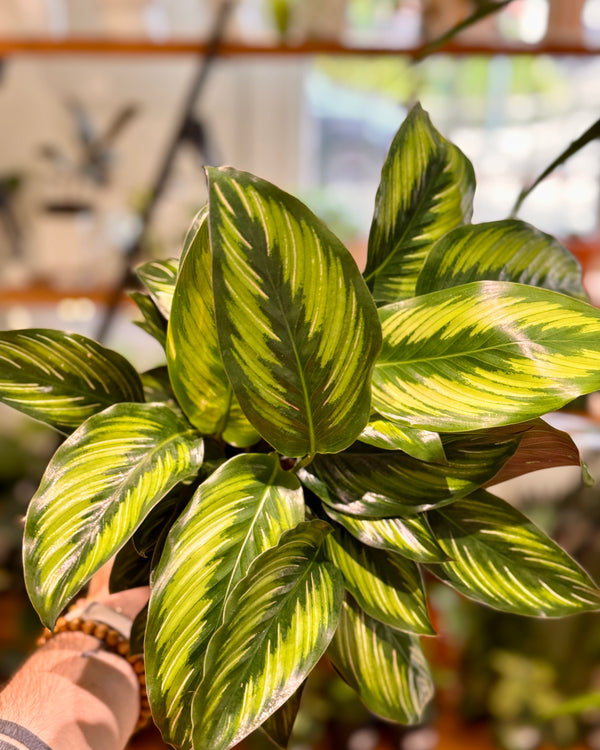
[
  {"x": 80, "y": 309},
  {"x": 533, "y": 22}
]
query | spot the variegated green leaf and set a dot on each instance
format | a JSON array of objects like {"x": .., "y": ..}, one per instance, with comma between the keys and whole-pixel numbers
[
  {"x": 297, "y": 326},
  {"x": 422, "y": 444},
  {"x": 277, "y": 624},
  {"x": 193, "y": 357},
  {"x": 157, "y": 386},
  {"x": 387, "y": 586},
  {"x": 135, "y": 561},
  {"x": 484, "y": 354},
  {"x": 129, "y": 569},
  {"x": 507, "y": 250},
  {"x": 238, "y": 430},
  {"x": 279, "y": 726},
  {"x": 192, "y": 232},
  {"x": 98, "y": 488},
  {"x": 159, "y": 277},
  {"x": 541, "y": 447},
  {"x": 426, "y": 190},
  {"x": 153, "y": 321},
  {"x": 62, "y": 378},
  {"x": 237, "y": 513},
  {"x": 372, "y": 483},
  {"x": 409, "y": 536},
  {"x": 387, "y": 668},
  {"x": 500, "y": 558}
]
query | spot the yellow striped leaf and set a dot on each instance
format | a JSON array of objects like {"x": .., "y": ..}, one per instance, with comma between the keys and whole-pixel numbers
[
  {"x": 372, "y": 483},
  {"x": 426, "y": 190},
  {"x": 484, "y": 354},
  {"x": 387, "y": 668},
  {"x": 236, "y": 514},
  {"x": 62, "y": 378},
  {"x": 277, "y": 624},
  {"x": 387, "y": 586},
  {"x": 152, "y": 321},
  {"x": 98, "y": 488},
  {"x": 422, "y": 444},
  {"x": 507, "y": 250},
  {"x": 498, "y": 557},
  {"x": 159, "y": 277},
  {"x": 297, "y": 326},
  {"x": 238, "y": 430},
  {"x": 409, "y": 536},
  {"x": 193, "y": 357}
]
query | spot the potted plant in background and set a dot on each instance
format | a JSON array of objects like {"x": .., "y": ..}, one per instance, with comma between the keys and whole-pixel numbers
[{"x": 317, "y": 438}]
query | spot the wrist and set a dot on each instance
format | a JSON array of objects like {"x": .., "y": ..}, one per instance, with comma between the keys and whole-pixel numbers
[
  {"x": 93, "y": 628},
  {"x": 95, "y": 695}
]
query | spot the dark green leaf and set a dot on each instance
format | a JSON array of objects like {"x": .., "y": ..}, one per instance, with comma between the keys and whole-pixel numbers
[
  {"x": 130, "y": 569},
  {"x": 157, "y": 386},
  {"x": 372, "y": 483},
  {"x": 279, "y": 726}
]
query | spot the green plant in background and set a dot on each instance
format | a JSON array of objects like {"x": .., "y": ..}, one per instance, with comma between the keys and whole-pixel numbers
[{"x": 315, "y": 441}]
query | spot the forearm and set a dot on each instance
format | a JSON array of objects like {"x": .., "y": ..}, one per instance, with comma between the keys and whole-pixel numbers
[{"x": 73, "y": 694}]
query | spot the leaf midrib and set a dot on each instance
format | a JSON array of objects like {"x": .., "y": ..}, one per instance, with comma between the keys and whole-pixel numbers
[
  {"x": 412, "y": 220},
  {"x": 469, "y": 352},
  {"x": 304, "y": 388},
  {"x": 59, "y": 384},
  {"x": 102, "y": 504},
  {"x": 268, "y": 487},
  {"x": 507, "y": 559},
  {"x": 274, "y": 620}
]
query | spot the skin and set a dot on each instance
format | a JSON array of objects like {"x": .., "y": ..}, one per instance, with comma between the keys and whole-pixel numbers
[{"x": 72, "y": 694}]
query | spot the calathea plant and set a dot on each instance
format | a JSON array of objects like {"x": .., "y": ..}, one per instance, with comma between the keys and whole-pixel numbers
[{"x": 316, "y": 440}]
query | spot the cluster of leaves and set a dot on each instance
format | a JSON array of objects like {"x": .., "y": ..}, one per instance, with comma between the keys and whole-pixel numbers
[{"x": 316, "y": 441}]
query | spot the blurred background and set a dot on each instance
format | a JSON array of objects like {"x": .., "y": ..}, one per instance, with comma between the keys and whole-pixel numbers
[{"x": 109, "y": 109}]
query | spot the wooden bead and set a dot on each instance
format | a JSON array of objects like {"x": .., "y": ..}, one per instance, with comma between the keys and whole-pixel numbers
[
  {"x": 88, "y": 626},
  {"x": 112, "y": 638},
  {"x": 100, "y": 630}
]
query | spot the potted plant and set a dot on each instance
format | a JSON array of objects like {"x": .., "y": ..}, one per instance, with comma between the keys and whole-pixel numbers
[{"x": 317, "y": 439}]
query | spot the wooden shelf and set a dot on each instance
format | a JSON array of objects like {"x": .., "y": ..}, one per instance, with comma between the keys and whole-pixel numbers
[
  {"x": 45, "y": 294},
  {"x": 10, "y": 46}
]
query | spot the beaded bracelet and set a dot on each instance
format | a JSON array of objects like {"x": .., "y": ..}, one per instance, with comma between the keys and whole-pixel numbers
[{"x": 112, "y": 629}]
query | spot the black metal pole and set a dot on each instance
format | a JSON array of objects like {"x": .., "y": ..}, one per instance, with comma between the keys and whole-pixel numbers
[{"x": 164, "y": 172}]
